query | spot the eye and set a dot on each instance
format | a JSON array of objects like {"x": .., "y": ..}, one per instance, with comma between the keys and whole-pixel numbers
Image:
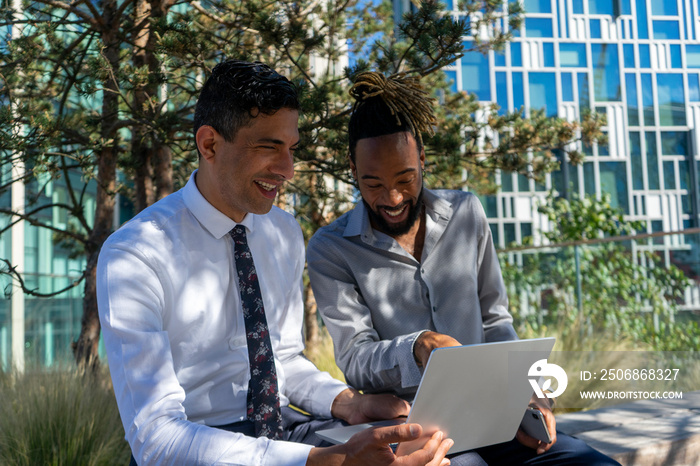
[{"x": 408, "y": 181}]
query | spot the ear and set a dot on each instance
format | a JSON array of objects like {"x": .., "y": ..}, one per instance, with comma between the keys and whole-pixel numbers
[
  {"x": 422, "y": 158},
  {"x": 353, "y": 168},
  {"x": 206, "y": 139}
]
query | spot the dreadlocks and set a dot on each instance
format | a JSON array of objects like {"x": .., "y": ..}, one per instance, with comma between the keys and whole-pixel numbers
[{"x": 387, "y": 105}]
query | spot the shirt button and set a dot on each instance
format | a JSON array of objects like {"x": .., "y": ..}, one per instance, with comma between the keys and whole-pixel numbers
[
  {"x": 237, "y": 342},
  {"x": 434, "y": 309}
]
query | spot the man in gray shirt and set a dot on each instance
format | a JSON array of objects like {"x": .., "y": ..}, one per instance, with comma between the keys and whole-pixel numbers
[{"x": 410, "y": 269}]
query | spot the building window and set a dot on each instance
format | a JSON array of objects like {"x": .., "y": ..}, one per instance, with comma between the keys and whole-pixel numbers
[
  {"x": 538, "y": 6},
  {"x": 613, "y": 180},
  {"x": 628, "y": 52},
  {"x": 666, "y": 30},
  {"x": 475, "y": 74},
  {"x": 606, "y": 72},
  {"x": 648, "y": 100},
  {"x": 671, "y": 99},
  {"x": 652, "y": 160},
  {"x": 541, "y": 93},
  {"x": 567, "y": 88},
  {"x": 632, "y": 104},
  {"x": 600, "y": 7},
  {"x": 502, "y": 92},
  {"x": 676, "y": 56},
  {"x": 642, "y": 26},
  {"x": 693, "y": 88},
  {"x": 644, "y": 57},
  {"x": 636, "y": 161},
  {"x": 516, "y": 57},
  {"x": 538, "y": 27},
  {"x": 692, "y": 56},
  {"x": 674, "y": 143},
  {"x": 548, "y": 52},
  {"x": 664, "y": 7},
  {"x": 572, "y": 55},
  {"x": 518, "y": 91}
]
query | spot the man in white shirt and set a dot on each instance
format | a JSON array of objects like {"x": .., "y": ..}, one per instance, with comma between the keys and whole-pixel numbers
[{"x": 172, "y": 300}]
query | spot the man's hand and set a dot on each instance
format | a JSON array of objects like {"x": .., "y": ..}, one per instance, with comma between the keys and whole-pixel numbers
[
  {"x": 427, "y": 342},
  {"x": 356, "y": 408},
  {"x": 541, "y": 447},
  {"x": 372, "y": 447}
]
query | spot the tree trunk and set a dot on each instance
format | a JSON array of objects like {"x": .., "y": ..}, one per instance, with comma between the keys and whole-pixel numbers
[
  {"x": 315, "y": 214},
  {"x": 163, "y": 171},
  {"x": 85, "y": 350},
  {"x": 142, "y": 136},
  {"x": 310, "y": 319}
]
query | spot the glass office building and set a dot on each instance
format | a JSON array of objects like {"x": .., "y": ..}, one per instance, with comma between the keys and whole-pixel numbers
[
  {"x": 50, "y": 324},
  {"x": 635, "y": 61}
]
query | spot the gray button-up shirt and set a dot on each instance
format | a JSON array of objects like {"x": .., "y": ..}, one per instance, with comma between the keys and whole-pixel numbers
[{"x": 376, "y": 299}]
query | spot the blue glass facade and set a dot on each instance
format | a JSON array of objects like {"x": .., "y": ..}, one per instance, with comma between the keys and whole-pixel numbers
[{"x": 638, "y": 63}]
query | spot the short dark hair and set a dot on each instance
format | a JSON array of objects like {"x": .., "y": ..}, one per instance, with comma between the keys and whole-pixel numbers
[
  {"x": 238, "y": 91},
  {"x": 387, "y": 105}
]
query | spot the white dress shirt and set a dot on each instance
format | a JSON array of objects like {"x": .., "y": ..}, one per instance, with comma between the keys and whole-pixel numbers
[{"x": 175, "y": 338}]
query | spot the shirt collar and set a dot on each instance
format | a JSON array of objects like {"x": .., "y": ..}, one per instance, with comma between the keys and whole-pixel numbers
[
  {"x": 212, "y": 219},
  {"x": 358, "y": 222}
]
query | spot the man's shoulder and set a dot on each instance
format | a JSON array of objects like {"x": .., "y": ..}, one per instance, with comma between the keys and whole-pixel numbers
[
  {"x": 332, "y": 231},
  {"x": 460, "y": 202},
  {"x": 151, "y": 224},
  {"x": 455, "y": 196}
]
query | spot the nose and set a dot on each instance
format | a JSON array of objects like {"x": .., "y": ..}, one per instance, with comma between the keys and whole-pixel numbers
[
  {"x": 394, "y": 197},
  {"x": 284, "y": 164}
]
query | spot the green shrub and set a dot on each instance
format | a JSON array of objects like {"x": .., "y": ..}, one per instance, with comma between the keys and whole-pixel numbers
[{"x": 60, "y": 417}]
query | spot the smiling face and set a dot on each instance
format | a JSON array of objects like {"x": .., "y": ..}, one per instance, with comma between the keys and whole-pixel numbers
[
  {"x": 388, "y": 170},
  {"x": 244, "y": 175}
]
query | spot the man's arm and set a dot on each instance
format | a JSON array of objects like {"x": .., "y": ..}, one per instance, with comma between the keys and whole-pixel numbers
[
  {"x": 427, "y": 342},
  {"x": 367, "y": 361}
]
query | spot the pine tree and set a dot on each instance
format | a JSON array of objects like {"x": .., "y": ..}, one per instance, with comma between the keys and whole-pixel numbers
[{"x": 102, "y": 93}]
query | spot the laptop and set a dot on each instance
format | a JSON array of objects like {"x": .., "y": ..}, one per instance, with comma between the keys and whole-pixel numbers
[{"x": 475, "y": 394}]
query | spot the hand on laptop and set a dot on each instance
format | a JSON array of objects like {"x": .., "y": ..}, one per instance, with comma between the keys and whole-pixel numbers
[
  {"x": 427, "y": 342},
  {"x": 541, "y": 447},
  {"x": 372, "y": 447},
  {"x": 356, "y": 408}
]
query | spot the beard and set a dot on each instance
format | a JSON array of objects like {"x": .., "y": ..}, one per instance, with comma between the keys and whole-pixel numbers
[{"x": 396, "y": 229}]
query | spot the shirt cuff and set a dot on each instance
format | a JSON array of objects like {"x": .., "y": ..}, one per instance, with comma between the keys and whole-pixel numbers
[
  {"x": 328, "y": 397},
  {"x": 287, "y": 453},
  {"x": 410, "y": 372}
]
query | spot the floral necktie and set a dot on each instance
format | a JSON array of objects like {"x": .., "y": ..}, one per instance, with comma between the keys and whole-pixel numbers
[{"x": 263, "y": 394}]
